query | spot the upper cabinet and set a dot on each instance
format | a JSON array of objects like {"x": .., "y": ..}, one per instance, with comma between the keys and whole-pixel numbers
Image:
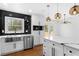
[{"x": 14, "y": 23}]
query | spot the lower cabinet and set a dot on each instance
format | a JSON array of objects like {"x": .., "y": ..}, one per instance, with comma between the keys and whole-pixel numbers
[
  {"x": 7, "y": 48},
  {"x": 68, "y": 51},
  {"x": 57, "y": 50},
  {"x": 47, "y": 49},
  {"x": 11, "y": 47},
  {"x": 19, "y": 46},
  {"x": 15, "y": 43},
  {"x": 52, "y": 48}
]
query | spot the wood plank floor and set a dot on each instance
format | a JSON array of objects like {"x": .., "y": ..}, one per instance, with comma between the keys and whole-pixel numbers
[{"x": 36, "y": 51}]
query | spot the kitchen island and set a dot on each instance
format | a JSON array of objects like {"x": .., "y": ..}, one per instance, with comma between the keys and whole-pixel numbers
[{"x": 60, "y": 46}]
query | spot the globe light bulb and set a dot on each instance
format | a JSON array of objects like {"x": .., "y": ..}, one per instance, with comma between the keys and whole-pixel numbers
[{"x": 74, "y": 12}]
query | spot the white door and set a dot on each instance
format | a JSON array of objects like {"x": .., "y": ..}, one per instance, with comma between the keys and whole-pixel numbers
[{"x": 36, "y": 38}]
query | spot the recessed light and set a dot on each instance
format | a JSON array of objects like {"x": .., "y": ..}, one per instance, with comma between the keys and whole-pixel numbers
[{"x": 5, "y": 4}]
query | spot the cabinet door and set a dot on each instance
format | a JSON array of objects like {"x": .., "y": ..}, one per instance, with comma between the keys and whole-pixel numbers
[
  {"x": 47, "y": 48},
  {"x": 7, "y": 48},
  {"x": 36, "y": 38},
  {"x": 19, "y": 46},
  {"x": 58, "y": 49},
  {"x": 41, "y": 36},
  {"x": 55, "y": 49},
  {"x": 52, "y": 49},
  {"x": 68, "y": 51}
]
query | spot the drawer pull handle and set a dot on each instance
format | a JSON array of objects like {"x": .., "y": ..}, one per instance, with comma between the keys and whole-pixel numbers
[
  {"x": 70, "y": 51},
  {"x": 64, "y": 54},
  {"x": 53, "y": 44}
]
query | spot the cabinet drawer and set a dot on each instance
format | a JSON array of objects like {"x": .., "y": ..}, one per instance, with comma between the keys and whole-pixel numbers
[{"x": 70, "y": 51}]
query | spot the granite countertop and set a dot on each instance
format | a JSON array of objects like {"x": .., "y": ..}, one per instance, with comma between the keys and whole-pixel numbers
[
  {"x": 75, "y": 46},
  {"x": 15, "y": 35},
  {"x": 60, "y": 39},
  {"x": 71, "y": 42}
]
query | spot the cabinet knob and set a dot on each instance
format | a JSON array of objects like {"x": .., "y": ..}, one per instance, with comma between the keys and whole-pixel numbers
[
  {"x": 70, "y": 51},
  {"x": 64, "y": 54},
  {"x": 53, "y": 44}
]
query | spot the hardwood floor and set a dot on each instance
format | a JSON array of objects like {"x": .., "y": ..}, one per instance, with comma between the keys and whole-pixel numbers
[{"x": 36, "y": 51}]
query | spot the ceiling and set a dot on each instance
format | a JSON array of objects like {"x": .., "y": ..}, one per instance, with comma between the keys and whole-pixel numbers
[{"x": 37, "y": 8}]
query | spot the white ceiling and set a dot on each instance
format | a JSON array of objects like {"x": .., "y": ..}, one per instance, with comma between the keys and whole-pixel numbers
[{"x": 37, "y": 8}]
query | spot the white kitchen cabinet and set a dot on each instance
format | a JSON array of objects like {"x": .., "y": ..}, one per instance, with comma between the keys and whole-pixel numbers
[
  {"x": 36, "y": 19},
  {"x": 19, "y": 46},
  {"x": 36, "y": 38},
  {"x": 58, "y": 49},
  {"x": 7, "y": 48},
  {"x": 69, "y": 51},
  {"x": 51, "y": 48},
  {"x": 41, "y": 36},
  {"x": 47, "y": 48},
  {"x": 10, "y": 47}
]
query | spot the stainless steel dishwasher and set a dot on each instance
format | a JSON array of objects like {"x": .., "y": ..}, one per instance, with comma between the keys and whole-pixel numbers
[{"x": 28, "y": 42}]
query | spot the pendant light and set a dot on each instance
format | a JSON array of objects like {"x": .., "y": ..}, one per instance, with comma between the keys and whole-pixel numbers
[
  {"x": 48, "y": 18},
  {"x": 57, "y": 15},
  {"x": 74, "y": 10}
]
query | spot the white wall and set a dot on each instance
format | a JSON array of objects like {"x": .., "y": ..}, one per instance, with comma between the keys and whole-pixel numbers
[
  {"x": 70, "y": 30},
  {"x": 35, "y": 21}
]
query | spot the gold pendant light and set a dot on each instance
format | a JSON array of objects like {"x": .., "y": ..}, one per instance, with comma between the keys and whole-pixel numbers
[
  {"x": 48, "y": 18},
  {"x": 74, "y": 10},
  {"x": 57, "y": 15}
]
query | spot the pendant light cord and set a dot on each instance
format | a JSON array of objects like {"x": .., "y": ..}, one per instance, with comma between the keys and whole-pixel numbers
[
  {"x": 57, "y": 7},
  {"x": 74, "y": 4},
  {"x": 64, "y": 17},
  {"x": 48, "y": 9}
]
